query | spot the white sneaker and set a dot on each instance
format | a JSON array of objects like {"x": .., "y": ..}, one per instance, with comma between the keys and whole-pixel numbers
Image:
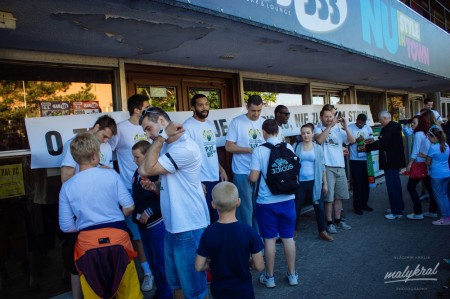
[
  {"x": 147, "y": 283},
  {"x": 268, "y": 281},
  {"x": 392, "y": 216},
  {"x": 413, "y": 216},
  {"x": 293, "y": 279},
  {"x": 343, "y": 225},
  {"x": 331, "y": 229},
  {"x": 431, "y": 215}
]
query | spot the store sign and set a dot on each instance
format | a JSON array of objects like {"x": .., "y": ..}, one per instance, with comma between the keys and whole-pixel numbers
[
  {"x": 54, "y": 108},
  {"x": 48, "y": 135},
  {"x": 385, "y": 29},
  {"x": 11, "y": 181},
  {"x": 85, "y": 107}
]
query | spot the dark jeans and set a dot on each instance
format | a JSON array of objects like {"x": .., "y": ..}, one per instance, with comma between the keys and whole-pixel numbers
[
  {"x": 306, "y": 189},
  {"x": 394, "y": 189},
  {"x": 412, "y": 189},
  {"x": 213, "y": 215},
  {"x": 360, "y": 183}
]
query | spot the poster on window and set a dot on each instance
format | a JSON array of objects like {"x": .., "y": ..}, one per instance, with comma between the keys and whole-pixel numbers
[
  {"x": 54, "y": 108},
  {"x": 85, "y": 107},
  {"x": 11, "y": 181}
]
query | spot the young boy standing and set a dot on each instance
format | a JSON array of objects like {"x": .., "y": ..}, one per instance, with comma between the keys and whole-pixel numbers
[
  {"x": 226, "y": 246},
  {"x": 89, "y": 204},
  {"x": 147, "y": 215}
]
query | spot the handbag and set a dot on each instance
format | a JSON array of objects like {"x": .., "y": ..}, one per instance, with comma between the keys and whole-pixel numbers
[{"x": 418, "y": 171}]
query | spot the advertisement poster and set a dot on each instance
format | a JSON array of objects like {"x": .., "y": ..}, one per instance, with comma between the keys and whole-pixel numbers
[
  {"x": 11, "y": 181},
  {"x": 54, "y": 108},
  {"x": 86, "y": 107}
]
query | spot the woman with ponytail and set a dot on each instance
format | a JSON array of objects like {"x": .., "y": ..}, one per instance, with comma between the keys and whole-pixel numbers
[{"x": 439, "y": 171}]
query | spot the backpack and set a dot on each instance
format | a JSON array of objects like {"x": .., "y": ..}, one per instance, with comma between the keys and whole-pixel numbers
[{"x": 282, "y": 170}]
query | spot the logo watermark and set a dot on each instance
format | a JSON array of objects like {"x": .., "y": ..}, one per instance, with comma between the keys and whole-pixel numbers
[{"x": 420, "y": 273}]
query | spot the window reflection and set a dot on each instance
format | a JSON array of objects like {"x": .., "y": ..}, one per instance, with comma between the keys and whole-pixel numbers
[{"x": 164, "y": 97}]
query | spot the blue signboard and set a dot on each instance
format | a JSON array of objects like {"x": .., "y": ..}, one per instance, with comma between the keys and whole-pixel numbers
[{"x": 384, "y": 29}]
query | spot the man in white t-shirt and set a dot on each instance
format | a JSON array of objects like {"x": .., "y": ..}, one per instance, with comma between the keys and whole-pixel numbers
[
  {"x": 245, "y": 134},
  {"x": 428, "y": 104},
  {"x": 275, "y": 213},
  {"x": 104, "y": 128},
  {"x": 329, "y": 134},
  {"x": 129, "y": 132},
  {"x": 177, "y": 159},
  {"x": 203, "y": 132},
  {"x": 358, "y": 164},
  {"x": 282, "y": 115}
]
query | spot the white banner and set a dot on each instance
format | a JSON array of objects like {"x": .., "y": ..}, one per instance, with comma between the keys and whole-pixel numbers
[{"x": 47, "y": 135}]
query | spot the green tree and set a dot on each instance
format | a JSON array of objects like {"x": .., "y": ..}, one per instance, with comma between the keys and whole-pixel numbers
[
  {"x": 267, "y": 97},
  {"x": 21, "y": 99}
]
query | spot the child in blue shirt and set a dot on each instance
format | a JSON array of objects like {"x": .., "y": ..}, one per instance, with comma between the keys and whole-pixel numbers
[{"x": 227, "y": 246}]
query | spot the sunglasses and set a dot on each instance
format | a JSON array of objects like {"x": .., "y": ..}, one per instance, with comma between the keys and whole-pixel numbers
[{"x": 150, "y": 110}]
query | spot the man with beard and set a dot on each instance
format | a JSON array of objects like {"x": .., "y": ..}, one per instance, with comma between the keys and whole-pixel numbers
[{"x": 203, "y": 132}]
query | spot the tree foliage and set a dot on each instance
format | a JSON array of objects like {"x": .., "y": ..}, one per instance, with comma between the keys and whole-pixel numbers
[{"x": 267, "y": 97}]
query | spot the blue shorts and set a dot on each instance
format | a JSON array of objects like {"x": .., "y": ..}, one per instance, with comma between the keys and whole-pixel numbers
[
  {"x": 133, "y": 228},
  {"x": 180, "y": 251},
  {"x": 276, "y": 219}
]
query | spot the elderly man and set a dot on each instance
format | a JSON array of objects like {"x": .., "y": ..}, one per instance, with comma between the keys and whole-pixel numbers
[{"x": 391, "y": 159}]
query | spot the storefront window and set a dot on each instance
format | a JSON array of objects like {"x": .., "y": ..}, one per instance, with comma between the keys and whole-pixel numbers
[
  {"x": 274, "y": 94},
  {"x": 396, "y": 106},
  {"x": 164, "y": 97},
  {"x": 212, "y": 94}
]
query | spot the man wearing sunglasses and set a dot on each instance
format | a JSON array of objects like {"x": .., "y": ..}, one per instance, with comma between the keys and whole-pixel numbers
[
  {"x": 282, "y": 115},
  {"x": 177, "y": 159}
]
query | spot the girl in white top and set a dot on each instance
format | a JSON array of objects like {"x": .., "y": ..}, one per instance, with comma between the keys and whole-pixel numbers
[{"x": 419, "y": 149}]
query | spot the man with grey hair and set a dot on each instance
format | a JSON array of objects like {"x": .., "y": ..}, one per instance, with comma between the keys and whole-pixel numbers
[{"x": 391, "y": 159}]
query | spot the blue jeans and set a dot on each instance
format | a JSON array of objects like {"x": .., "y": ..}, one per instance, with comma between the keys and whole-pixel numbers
[
  {"x": 213, "y": 215},
  {"x": 153, "y": 242},
  {"x": 394, "y": 189},
  {"x": 244, "y": 212},
  {"x": 180, "y": 251},
  {"x": 360, "y": 183},
  {"x": 440, "y": 188}
]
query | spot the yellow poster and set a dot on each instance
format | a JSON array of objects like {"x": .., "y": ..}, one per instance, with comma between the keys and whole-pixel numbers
[{"x": 11, "y": 181}]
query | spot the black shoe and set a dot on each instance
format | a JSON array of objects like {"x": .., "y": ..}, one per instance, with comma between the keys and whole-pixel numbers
[
  {"x": 367, "y": 208},
  {"x": 358, "y": 212}
]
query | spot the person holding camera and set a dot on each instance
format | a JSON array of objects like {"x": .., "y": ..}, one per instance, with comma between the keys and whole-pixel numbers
[{"x": 331, "y": 137}]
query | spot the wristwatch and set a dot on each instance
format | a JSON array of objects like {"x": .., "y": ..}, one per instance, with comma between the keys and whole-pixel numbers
[{"x": 163, "y": 134}]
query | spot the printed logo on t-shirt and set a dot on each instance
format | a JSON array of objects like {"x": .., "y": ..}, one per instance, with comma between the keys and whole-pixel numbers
[
  {"x": 330, "y": 141},
  {"x": 209, "y": 141},
  {"x": 102, "y": 158},
  {"x": 139, "y": 137},
  {"x": 255, "y": 137}
]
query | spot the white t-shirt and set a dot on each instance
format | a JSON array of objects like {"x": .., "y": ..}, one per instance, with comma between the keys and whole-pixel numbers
[
  {"x": 93, "y": 196},
  {"x": 183, "y": 203},
  {"x": 280, "y": 134},
  {"x": 127, "y": 135},
  {"x": 105, "y": 156},
  {"x": 260, "y": 161},
  {"x": 204, "y": 134},
  {"x": 365, "y": 132},
  {"x": 332, "y": 146},
  {"x": 245, "y": 133}
]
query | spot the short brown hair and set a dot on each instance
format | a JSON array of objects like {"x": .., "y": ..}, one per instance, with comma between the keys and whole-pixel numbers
[
  {"x": 270, "y": 126},
  {"x": 142, "y": 146},
  {"x": 106, "y": 121},
  {"x": 83, "y": 147}
]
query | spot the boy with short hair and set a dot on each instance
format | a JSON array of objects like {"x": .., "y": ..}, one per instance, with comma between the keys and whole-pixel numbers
[
  {"x": 226, "y": 247},
  {"x": 147, "y": 215},
  {"x": 89, "y": 203}
]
